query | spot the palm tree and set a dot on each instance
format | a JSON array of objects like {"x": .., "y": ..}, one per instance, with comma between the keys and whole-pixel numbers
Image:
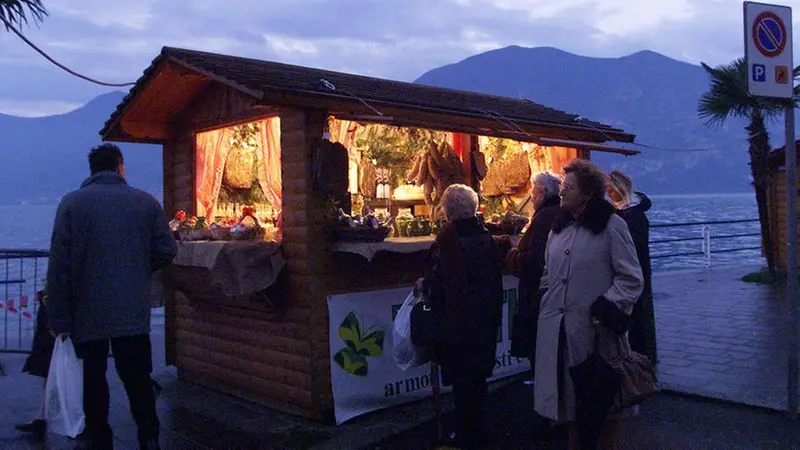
[
  {"x": 729, "y": 97},
  {"x": 18, "y": 11}
]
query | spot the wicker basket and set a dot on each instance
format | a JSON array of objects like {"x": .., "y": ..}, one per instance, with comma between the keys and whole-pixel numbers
[
  {"x": 221, "y": 233},
  {"x": 254, "y": 233},
  {"x": 248, "y": 234},
  {"x": 238, "y": 172},
  {"x": 360, "y": 234},
  {"x": 198, "y": 234}
]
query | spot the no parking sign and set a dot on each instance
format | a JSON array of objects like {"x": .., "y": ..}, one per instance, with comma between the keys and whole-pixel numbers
[{"x": 768, "y": 49}]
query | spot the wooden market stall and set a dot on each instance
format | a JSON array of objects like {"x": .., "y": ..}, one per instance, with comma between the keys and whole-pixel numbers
[
  {"x": 776, "y": 204},
  {"x": 249, "y": 317}
]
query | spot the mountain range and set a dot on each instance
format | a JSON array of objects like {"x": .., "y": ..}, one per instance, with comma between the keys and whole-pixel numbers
[
  {"x": 645, "y": 93},
  {"x": 46, "y": 157}
]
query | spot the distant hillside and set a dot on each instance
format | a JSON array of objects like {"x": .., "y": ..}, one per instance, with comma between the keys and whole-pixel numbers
[
  {"x": 645, "y": 93},
  {"x": 44, "y": 158}
]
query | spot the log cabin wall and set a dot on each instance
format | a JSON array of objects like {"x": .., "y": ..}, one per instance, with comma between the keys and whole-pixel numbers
[
  {"x": 179, "y": 175},
  {"x": 178, "y": 157},
  {"x": 776, "y": 205},
  {"x": 306, "y": 246},
  {"x": 247, "y": 349}
]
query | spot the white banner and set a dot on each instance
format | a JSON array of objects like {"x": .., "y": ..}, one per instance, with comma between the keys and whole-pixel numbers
[{"x": 364, "y": 376}]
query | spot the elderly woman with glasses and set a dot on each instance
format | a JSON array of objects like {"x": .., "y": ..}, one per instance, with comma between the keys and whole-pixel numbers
[{"x": 592, "y": 275}]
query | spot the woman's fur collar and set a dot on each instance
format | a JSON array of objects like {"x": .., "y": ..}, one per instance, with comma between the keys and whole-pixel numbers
[{"x": 594, "y": 217}]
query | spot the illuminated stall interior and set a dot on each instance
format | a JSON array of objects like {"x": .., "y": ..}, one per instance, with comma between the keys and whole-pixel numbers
[
  {"x": 238, "y": 167},
  {"x": 402, "y": 171}
]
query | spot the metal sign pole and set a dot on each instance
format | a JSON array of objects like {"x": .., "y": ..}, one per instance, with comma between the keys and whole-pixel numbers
[
  {"x": 791, "y": 263},
  {"x": 768, "y": 50}
]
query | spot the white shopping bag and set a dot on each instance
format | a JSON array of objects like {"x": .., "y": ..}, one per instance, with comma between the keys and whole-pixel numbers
[
  {"x": 406, "y": 354},
  {"x": 64, "y": 390}
]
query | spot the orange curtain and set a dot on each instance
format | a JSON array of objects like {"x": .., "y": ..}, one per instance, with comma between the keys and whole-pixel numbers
[
  {"x": 344, "y": 132},
  {"x": 455, "y": 141},
  {"x": 269, "y": 161},
  {"x": 212, "y": 152}
]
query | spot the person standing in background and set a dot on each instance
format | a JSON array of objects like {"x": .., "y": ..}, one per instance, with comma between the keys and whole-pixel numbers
[
  {"x": 632, "y": 206},
  {"x": 38, "y": 363}
]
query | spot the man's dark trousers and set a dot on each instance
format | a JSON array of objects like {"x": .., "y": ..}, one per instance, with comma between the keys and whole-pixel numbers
[{"x": 134, "y": 363}]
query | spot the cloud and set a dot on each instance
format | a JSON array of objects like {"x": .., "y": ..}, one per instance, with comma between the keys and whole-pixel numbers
[
  {"x": 397, "y": 39},
  {"x": 135, "y": 15},
  {"x": 25, "y": 108}
]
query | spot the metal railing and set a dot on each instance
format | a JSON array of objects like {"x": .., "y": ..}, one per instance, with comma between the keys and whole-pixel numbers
[
  {"x": 22, "y": 274},
  {"x": 705, "y": 237}
]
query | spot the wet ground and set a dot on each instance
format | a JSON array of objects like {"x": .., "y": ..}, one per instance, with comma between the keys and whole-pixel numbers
[{"x": 719, "y": 338}]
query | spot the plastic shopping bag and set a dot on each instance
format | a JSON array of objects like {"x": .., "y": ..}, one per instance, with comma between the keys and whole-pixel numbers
[
  {"x": 406, "y": 354},
  {"x": 64, "y": 390}
]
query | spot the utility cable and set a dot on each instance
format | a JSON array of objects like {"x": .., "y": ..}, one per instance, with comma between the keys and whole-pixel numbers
[
  {"x": 332, "y": 87},
  {"x": 61, "y": 66}
]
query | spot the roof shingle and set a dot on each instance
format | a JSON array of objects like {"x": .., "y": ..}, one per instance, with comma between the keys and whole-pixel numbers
[{"x": 257, "y": 77}]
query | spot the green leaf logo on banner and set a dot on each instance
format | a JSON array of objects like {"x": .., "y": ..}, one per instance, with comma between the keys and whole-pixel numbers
[{"x": 353, "y": 358}]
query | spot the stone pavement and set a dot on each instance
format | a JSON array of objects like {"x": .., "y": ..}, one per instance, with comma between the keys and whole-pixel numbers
[
  {"x": 719, "y": 337},
  {"x": 667, "y": 421},
  {"x": 195, "y": 418},
  {"x": 723, "y": 338}
]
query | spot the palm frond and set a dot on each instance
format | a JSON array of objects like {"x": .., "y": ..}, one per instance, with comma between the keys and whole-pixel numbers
[
  {"x": 20, "y": 11},
  {"x": 729, "y": 96}
]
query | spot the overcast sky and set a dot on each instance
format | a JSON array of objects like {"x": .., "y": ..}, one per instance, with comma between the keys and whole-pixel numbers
[{"x": 115, "y": 40}]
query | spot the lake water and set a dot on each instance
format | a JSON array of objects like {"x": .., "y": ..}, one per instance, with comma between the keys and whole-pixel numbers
[{"x": 28, "y": 227}]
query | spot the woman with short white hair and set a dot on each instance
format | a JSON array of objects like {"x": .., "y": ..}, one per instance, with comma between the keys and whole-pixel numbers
[
  {"x": 526, "y": 262},
  {"x": 459, "y": 201},
  {"x": 544, "y": 185},
  {"x": 464, "y": 288}
]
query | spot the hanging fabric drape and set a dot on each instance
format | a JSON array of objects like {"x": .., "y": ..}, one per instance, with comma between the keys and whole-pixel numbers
[
  {"x": 344, "y": 132},
  {"x": 455, "y": 141},
  {"x": 269, "y": 161},
  {"x": 212, "y": 152}
]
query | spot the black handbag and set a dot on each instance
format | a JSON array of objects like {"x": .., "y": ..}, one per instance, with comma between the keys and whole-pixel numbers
[
  {"x": 523, "y": 335},
  {"x": 426, "y": 327},
  {"x": 525, "y": 327}
]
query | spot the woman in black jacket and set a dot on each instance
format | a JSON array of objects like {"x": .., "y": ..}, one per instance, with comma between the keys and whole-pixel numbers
[
  {"x": 526, "y": 262},
  {"x": 632, "y": 206},
  {"x": 464, "y": 281}
]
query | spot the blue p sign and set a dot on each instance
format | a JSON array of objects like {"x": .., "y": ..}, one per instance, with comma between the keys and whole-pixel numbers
[{"x": 759, "y": 73}]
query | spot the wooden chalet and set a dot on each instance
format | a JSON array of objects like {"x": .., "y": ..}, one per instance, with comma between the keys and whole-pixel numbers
[{"x": 271, "y": 346}]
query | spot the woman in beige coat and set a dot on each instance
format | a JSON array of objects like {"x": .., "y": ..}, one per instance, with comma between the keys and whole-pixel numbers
[{"x": 591, "y": 271}]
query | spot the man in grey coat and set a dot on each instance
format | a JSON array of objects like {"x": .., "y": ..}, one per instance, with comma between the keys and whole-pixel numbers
[{"x": 108, "y": 239}]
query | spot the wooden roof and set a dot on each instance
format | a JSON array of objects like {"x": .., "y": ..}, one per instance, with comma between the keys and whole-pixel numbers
[{"x": 347, "y": 96}]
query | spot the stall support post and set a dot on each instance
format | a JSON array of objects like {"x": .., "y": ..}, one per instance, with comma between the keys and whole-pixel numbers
[{"x": 791, "y": 263}]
